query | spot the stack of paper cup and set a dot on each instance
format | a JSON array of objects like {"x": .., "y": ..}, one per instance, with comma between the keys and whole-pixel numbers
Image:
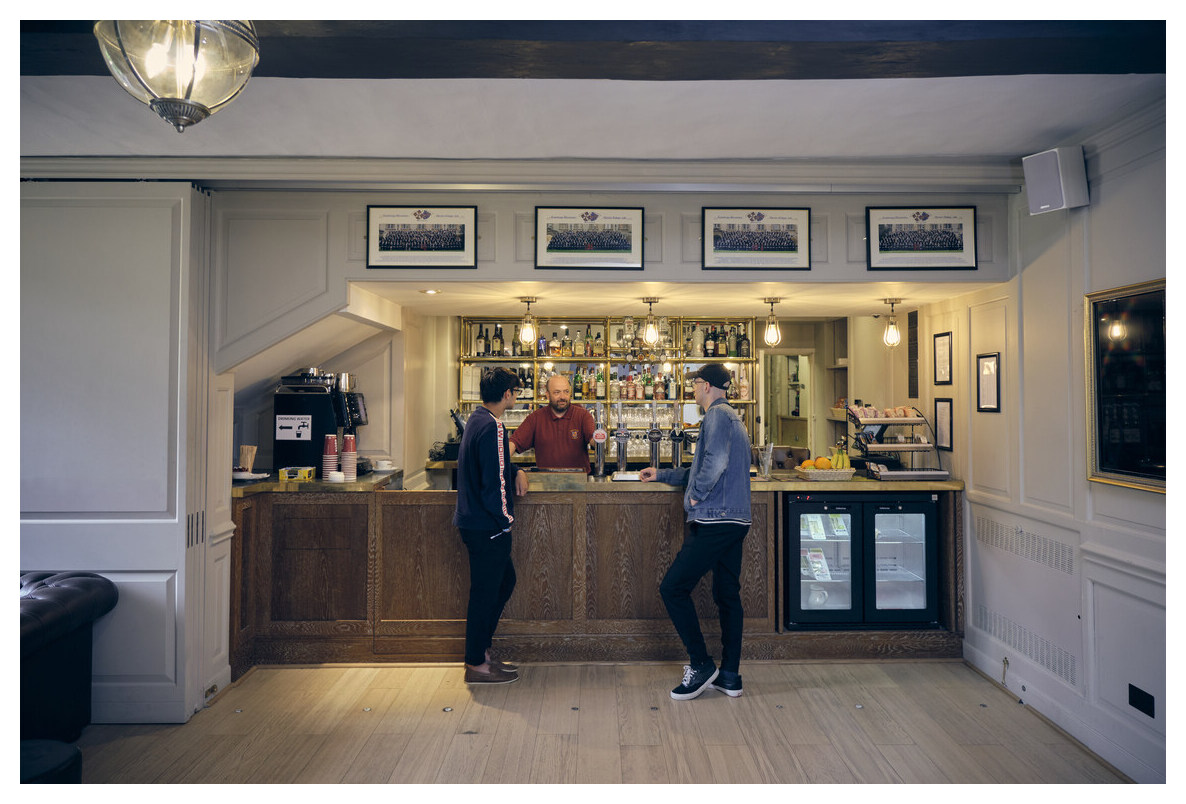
[
  {"x": 329, "y": 455},
  {"x": 349, "y": 458}
]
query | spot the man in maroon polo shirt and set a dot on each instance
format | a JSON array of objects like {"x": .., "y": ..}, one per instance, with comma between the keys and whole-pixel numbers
[{"x": 559, "y": 433}]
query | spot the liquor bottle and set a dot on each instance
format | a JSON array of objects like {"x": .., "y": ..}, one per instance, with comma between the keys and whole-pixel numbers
[
  {"x": 615, "y": 388},
  {"x": 554, "y": 346},
  {"x": 541, "y": 346},
  {"x": 697, "y": 341},
  {"x": 588, "y": 383},
  {"x": 566, "y": 345},
  {"x": 496, "y": 342},
  {"x": 588, "y": 342},
  {"x": 731, "y": 343},
  {"x": 710, "y": 343},
  {"x": 600, "y": 384},
  {"x": 577, "y": 388},
  {"x": 648, "y": 385},
  {"x": 516, "y": 348},
  {"x": 543, "y": 385},
  {"x": 660, "y": 391},
  {"x": 598, "y": 346},
  {"x": 743, "y": 385},
  {"x": 480, "y": 344},
  {"x": 578, "y": 344},
  {"x": 743, "y": 345},
  {"x": 672, "y": 393}
]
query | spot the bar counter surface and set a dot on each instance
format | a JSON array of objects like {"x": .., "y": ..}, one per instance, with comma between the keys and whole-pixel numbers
[{"x": 381, "y": 575}]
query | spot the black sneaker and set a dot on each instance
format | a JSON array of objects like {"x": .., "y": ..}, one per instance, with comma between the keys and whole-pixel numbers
[
  {"x": 728, "y": 683},
  {"x": 696, "y": 681}
]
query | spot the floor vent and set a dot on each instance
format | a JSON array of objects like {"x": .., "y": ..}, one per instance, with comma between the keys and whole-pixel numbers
[
  {"x": 1026, "y": 642},
  {"x": 1030, "y": 546}
]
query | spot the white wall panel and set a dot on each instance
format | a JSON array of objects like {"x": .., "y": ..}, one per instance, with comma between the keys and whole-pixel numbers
[
  {"x": 991, "y": 433},
  {"x": 147, "y": 606}
]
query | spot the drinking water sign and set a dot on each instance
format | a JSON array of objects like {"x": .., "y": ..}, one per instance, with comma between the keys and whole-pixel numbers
[{"x": 294, "y": 428}]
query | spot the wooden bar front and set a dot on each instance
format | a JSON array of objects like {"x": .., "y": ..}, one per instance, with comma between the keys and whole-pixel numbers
[{"x": 383, "y": 576}]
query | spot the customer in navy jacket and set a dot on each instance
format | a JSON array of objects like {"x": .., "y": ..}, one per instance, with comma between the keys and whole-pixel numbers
[
  {"x": 487, "y": 483},
  {"x": 717, "y": 502}
]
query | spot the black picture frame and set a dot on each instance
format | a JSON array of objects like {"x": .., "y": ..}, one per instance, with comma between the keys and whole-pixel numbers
[
  {"x": 944, "y": 410},
  {"x": 941, "y": 357},
  {"x": 920, "y": 238},
  {"x": 582, "y": 238},
  {"x": 1125, "y": 350},
  {"x": 988, "y": 382},
  {"x": 755, "y": 238},
  {"x": 422, "y": 237}
]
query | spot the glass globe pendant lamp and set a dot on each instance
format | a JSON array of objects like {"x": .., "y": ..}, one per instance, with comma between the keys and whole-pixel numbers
[
  {"x": 892, "y": 335},
  {"x": 650, "y": 330},
  {"x": 184, "y": 70},
  {"x": 773, "y": 333},
  {"x": 528, "y": 329}
]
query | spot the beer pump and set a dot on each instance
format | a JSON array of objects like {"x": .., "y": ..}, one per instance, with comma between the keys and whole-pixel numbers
[
  {"x": 622, "y": 436},
  {"x": 677, "y": 438},
  {"x": 654, "y": 435},
  {"x": 599, "y": 438}
]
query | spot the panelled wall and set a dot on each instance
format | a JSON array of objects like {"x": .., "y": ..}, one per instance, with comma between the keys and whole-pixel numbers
[{"x": 1066, "y": 578}]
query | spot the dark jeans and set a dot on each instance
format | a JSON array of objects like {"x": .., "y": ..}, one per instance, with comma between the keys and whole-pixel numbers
[
  {"x": 716, "y": 548},
  {"x": 491, "y": 581}
]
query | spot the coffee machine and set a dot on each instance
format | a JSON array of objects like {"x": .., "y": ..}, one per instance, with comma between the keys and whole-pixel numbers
[{"x": 308, "y": 405}]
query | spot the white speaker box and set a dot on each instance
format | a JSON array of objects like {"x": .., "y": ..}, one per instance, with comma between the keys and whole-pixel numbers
[{"x": 1055, "y": 179}]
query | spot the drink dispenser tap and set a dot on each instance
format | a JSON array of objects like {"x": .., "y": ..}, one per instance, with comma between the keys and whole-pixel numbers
[
  {"x": 677, "y": 438},
  {"x": 655, "y": 435},
  {"x": 622, "y": 436},
  {"x": 599, "y": 438}
]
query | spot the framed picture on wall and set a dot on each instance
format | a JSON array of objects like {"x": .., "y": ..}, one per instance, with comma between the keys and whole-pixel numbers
[
  {"x": 988, "y": 383},
  {"x": 920, "y": 238},
  {"x": 1126, "y": 386},
  {"x": 589, "y": 237},
  {"x": 745, "y": 238},
  {"x": 943, "y": 411},
  {"x": 422, "y": 237},
  {"x": 942, "y": 357}
]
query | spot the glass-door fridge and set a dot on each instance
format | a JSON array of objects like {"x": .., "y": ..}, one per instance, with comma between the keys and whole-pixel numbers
[{"x": 864, "y": 561}]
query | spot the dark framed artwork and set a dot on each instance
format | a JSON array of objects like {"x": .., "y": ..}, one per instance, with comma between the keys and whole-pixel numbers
[
  {"x": 422, "y": 237},
  {"x": 942, "y": 358},
  {"x": 1125, "y": 345},
  {"x": 920, "y": 238},
  {"x": 745, "y": 238},
  {"x": 988, "y": 383},
  {"x": 943, "y": 413},
  {"x": 589, "y": 237}
]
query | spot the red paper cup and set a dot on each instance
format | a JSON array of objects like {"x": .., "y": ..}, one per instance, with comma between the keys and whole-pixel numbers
[
  {"x": 348, "y": 443},
  {"x": 331, "y": 444}
]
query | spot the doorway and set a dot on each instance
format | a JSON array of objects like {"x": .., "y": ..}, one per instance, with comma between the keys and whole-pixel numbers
[{"x": 786, "y": 400}]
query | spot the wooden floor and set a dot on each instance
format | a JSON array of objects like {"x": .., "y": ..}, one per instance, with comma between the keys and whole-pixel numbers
[{"x": 884, "y": 722}]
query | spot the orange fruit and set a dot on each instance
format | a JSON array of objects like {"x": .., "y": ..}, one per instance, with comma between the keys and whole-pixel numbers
[
  {"x": 823, "y": 463},
  {"x": 807, "y": 464}
]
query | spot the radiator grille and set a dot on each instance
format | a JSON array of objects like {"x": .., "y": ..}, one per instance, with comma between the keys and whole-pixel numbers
[
  {"x": 1042, "y": 651},
  {"x": 1027, "y": 545}
]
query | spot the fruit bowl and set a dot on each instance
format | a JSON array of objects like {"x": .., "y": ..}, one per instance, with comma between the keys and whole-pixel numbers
[{"x": 825, "y": 474}]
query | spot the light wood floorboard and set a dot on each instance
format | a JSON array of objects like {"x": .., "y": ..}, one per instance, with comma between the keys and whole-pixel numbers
[{"x": 926, "y": 722}]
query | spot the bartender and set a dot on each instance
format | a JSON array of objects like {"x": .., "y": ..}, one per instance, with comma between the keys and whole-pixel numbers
[{"x": 559, "y": 433}]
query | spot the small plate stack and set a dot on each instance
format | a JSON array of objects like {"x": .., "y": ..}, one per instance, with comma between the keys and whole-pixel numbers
[
  {"x": 349, "y": 458},
  {"x": 329, "y": 455}
]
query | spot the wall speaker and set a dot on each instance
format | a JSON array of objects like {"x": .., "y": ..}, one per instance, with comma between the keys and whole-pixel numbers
[{"x": 1055, "y": 179}]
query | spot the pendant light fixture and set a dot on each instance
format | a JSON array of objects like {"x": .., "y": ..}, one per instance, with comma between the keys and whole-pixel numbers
[
  {"x": 892, "y": 335},
  {"x": 185, "y": 70},
  {"x": 650, "y": 330},
  {"x": 773, "y": 333},
  {"x": 528, "y": 330}
]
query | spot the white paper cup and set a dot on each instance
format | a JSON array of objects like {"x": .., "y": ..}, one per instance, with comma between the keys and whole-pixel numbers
[
  {"x": 384, "y": 465},
  {"x": 335, "y": 477}
]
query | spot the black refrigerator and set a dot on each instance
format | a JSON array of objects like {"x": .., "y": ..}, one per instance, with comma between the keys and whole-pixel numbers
[{"x": 861, "y": 561}]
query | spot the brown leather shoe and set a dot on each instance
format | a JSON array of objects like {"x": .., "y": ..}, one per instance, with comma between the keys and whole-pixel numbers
[
  {"x": 501, "y": 665},
  {"x": 496, "y": 676}
]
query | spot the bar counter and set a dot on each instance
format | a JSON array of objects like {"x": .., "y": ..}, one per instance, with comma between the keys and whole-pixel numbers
[{"x": 381, "y": 575}]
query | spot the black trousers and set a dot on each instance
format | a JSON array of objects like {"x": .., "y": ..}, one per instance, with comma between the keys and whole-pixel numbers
[
  {"x": 715, "y": 548},
  {"x": 491, "y": 582}
]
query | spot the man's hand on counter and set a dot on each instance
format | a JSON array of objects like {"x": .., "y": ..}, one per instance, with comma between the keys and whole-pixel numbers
[
  {"x": 648, "y": 474},
  {"x": 520, "y": 483}
]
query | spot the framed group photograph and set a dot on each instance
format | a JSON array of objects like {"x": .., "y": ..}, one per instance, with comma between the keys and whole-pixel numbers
[
  {"x": 988, "y": 383},
  {"x": 422, "y": 237},
  {"x": 943, "y": 412},
  {"x": 745, "y": 238},
  {"x": 1125, "y": 349},
  {"x": 920, "y": 238},
  {"x": 942, "y": 358},
  {"x": 589, "y": 237}
]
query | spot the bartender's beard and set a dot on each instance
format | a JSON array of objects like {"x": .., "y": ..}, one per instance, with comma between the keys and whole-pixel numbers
[{"x": 559, "y": 406}]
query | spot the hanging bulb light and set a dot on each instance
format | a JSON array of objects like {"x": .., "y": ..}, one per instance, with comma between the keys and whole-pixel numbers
[
  {"x": 650, "y": 330},
  {"x": 1116, "y": 330},
  {"x": 892, "y": 335},
  {"x": 773, "y": 334},
  {"x": 528, "y": 331},
  {"x": 184, "y": 70}
]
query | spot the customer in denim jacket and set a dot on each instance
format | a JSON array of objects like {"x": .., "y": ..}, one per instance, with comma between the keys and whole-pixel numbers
[{"x": 717, "y": 502}]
